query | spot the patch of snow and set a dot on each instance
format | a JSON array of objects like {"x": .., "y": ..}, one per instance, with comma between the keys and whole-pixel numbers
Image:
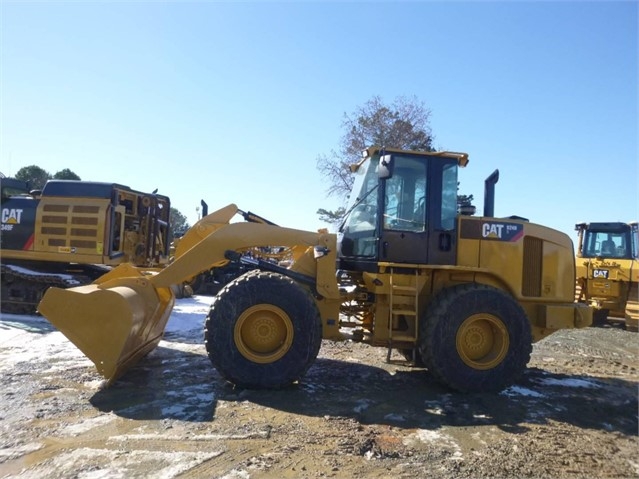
[
  {"x": 7, "y": 454},
  {"x": 442, "y": 440},
  {"x": 87, "y": 424},
  {"x": 69, "y": 278},
  {"x": 394, "y": 417},
  {"x": 236, "y": 474},
  {"x": 521, "y": 391},
  {"x": 362, "y": 405},
  {"x": 111, "y": 464},
  {"x": 571, "y": 383},
  {"x": 436, "y": 407},
  {"x": 200, "y": 437}
]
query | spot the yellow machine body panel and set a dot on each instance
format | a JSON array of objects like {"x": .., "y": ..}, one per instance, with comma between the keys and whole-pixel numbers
[{"x": 542, "y": 283}]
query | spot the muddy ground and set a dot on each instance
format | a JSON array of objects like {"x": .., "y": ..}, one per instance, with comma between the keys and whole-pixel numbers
[{"x": 573, "y": 415}]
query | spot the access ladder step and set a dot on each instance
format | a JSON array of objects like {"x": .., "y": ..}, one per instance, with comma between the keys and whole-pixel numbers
[{"x": 405, "y": 312}]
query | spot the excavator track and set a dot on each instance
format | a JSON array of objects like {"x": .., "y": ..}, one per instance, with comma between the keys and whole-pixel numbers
[{"x": 23, "y": 286}]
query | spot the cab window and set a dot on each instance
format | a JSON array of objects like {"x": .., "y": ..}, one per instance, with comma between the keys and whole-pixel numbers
[{"x": 405, "y": 196}]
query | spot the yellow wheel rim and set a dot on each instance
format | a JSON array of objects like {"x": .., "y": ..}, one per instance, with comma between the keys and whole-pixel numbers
[
  {"x": 263, "y": 333},
  {"x": 482, "y": 341}
]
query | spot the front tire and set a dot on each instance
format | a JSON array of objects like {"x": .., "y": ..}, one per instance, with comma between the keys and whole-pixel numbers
[
  {"x": 475, "y": 338},
  {"x": 263, "y": 331}
]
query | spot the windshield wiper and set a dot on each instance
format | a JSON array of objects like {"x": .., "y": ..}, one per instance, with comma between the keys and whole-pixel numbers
[{"x": 358, "y": 201}]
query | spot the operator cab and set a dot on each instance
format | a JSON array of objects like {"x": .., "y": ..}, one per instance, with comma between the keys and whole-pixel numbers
[
  {"x": 608, "y": 240},
  {"x": 403, "y": 209},
  {"x": 12, "y": 187}
]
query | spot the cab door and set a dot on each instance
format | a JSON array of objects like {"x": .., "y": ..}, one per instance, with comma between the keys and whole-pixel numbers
[
  {"x": 418, "y": 224},
  {"x": 404, "y": 236}
]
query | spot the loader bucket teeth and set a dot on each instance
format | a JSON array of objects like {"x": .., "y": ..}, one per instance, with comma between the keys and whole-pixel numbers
[{"x": 114, "y": 322}]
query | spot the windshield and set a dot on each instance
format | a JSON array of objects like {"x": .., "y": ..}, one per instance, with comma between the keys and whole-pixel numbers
[
  {"x": 12, "y": 187},
  {"x": 607, "y": 244},
  {"x": 359, "y": 226}
]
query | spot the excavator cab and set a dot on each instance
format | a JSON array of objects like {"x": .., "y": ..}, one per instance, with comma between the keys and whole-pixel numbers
[
  {"x": 403, "y": 209},
  {"x": 13, "y": 187}
]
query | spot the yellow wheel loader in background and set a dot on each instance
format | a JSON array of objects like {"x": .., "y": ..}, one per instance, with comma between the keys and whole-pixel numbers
[
  {"x": 608, "y": 271},
  {"x": 466, "y": 296}
]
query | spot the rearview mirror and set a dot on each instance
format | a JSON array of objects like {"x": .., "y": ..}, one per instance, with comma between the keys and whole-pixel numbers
[{"x": 385, "y": 167}]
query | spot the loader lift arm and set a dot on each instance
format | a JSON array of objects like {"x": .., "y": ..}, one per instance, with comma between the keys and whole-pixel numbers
[
  {"x": 122, "y": 315},
  {"x": 264, "y": 265}
]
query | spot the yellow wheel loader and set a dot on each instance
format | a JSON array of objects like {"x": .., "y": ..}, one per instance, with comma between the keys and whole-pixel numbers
[
  {"x": 464, "y": 296},
  {"x": 608, "y": 271}
]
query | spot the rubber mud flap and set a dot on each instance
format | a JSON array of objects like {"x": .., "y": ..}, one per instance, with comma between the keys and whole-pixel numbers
[{"x": 114, "y": 323}]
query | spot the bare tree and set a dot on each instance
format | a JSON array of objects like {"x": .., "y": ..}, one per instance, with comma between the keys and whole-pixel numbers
[{"x": 403, "y": 124}]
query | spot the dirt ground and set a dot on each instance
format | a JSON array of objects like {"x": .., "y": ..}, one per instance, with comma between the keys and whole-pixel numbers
[{"x": 573, "y": 415}]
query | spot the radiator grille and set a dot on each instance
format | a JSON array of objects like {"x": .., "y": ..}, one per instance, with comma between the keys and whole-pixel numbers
[
  {"x": 50, "y": 219},
  {"x": 50, "y": 230},
  {"x": 532, "y": 271},
  {"x": 57, "y": 242},
  {"x": 91, "y": 245},
  {"x": 86, "y": 210},
  {"x": 91, "y": 233},
  {"x": 72, "y": 226},
  {"x": 56, "y": 208},
  {"x": 84, "y": 220}
]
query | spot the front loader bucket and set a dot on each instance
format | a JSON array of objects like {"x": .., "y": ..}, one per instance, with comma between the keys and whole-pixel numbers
[{"x": 114, "y": 321}]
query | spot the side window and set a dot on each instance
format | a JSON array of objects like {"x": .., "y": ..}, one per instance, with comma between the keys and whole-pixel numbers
[
  {"x": 591, "y": 246},
  {"x": 405, "y": 196},
  {"x": 449, "y": 197}
]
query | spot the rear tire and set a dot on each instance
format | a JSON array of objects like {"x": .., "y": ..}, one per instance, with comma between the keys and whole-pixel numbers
[
  {"x": 263, "y": 331},
  {"x": 475, "y": 338}
]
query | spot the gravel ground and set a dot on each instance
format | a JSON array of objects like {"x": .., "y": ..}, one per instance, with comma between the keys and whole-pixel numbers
[{"x": 574, "y": 414}]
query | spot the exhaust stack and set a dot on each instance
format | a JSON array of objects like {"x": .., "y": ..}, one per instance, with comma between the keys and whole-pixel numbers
[{"x": 489, "y": 194}]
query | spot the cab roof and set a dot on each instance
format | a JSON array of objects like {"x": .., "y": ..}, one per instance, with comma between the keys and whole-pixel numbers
[{"x": 462, "y": 158}]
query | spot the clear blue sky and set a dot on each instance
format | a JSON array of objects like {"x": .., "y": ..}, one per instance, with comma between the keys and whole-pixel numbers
[{"x": 234, "y": 102}]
